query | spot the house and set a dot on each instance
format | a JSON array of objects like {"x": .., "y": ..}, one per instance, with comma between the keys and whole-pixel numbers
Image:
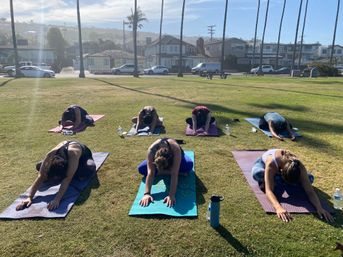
[
  {"x": 26, "y": 53},
  {"x": 325, "y": 53},
  {"x": 232, "y": 46},
  {"x": 170, "y": 53}
]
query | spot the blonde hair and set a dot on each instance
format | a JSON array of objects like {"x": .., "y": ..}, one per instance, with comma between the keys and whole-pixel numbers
[{"x": 163, "y": 158}]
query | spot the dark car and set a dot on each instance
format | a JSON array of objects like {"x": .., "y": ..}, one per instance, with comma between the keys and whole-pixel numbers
[{"x": 283, "y": 70}]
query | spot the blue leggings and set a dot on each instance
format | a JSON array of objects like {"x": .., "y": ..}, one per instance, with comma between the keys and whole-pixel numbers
[
  {"x": 186, "y": 166},
  {"x": 257, "y": 172}
]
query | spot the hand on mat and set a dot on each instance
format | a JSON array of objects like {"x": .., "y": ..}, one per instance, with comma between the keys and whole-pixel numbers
[
  {"x": 169, "y": 200},
  {"x": 323, "y": 214},
  {"x": 146, "y": 200},
  {"x": 293, "y": 138},
  {"x": 53, "y": 205},
  {"x": 283, "y": 214},
  {"x": 280, "y": 138},
  {"x": 24, "y": 204}
]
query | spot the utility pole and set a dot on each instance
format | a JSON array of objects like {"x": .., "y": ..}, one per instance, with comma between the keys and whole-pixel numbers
[{"x": 211, "y": 30}]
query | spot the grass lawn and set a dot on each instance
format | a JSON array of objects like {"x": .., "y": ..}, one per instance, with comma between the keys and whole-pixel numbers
[{"x": 99, "y": 225}]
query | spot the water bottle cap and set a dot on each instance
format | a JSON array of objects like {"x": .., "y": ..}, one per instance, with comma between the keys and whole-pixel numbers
[
  {"x": 338, "y": 190},
  {"x": 217, "y": 198}
]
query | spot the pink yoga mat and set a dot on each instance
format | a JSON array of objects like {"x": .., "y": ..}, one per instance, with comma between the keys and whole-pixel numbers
[
  {"x": 79, "y": 129},
  {"x": 292, "y": 198},
  {"x": 212, "y": 131}
]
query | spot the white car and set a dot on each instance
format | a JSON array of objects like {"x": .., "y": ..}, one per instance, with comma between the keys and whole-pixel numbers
[
  {"x": 34, "y": 72},
  {"x": 158, "y": 69},
  {"x": 265, "y": 69},
  {"x": 124, "y": 69}
]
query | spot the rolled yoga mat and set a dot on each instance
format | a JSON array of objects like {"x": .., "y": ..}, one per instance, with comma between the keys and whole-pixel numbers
[
  {"x": 95, "y": 117},
  {"x": 47, "y": 192},
  {"x": 185, "y": 205},
  {"x": 255, "y": 122},
  {"x": 212, "y": 131},
  {"x": 292, "y": 197}
]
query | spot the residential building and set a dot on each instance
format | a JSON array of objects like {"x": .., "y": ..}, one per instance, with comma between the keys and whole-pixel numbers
[{"x": 232, "y": 46}]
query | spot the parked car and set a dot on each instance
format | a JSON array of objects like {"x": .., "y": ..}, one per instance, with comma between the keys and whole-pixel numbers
[
  {"x": 283, "y": 70},
  {"x": 340, "y": 69},
  {"x": 265, "y": 69},
  {"x": 9, "y": 69},
  {"x": 34, "y": 72},
  {"x": 206, "y": 67},
  {"x": 158, "y": 69},
  {"x": 124, "y": 69}
]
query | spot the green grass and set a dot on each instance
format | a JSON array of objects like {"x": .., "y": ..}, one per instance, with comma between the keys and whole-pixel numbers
[{"x": 99, "y": 225}]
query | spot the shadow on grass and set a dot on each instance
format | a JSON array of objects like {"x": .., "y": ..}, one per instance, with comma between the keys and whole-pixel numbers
[
  {"x": 305, "y": 125},
  {"x": 298, "y": 108},
  {"x": 231, "y": 239},
  {"x": 5, "y": 82},
  {"x": 200, "y": 190},
  {"x": 86, "y": 193}
]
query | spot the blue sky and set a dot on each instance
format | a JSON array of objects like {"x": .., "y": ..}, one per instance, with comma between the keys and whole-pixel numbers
[{"x": 198, "y": 15}]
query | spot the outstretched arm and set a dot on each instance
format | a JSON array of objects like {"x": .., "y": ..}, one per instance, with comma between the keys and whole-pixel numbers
[
  {"x": 154, "y": 121},
  {"x": 269, "y": 175},
  {"x": 290, "y": 132},
  {"x": 194, "y": 121},
  {"x": 208, "y": 119},
  {"x": 147, "y": 198},
  {"x": 139, "y": 120},
  {"x": 313, "y": 197},
  {"x": 78, "y": 119},
  {"x": 271, "y": 128}
]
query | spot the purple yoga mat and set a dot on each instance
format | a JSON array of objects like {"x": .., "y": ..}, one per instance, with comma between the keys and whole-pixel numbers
[
  {"x": 95, "y": 117},
  {"x": 212, "y": 131},
  {"x": 292, "y": 198},
  {"x": 47, "y": 192}
]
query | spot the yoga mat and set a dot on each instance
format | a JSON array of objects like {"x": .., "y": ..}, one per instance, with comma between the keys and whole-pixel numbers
[
  {"x": 47, "y": 192},
  {"x": 292, "y": 197},
  {"x": 185, "y": 205},
  {"x": 255, "y": 122},
  {"x": 145, "y": 131},
  {"x": 212, "y": 131},
  {"x": 58, "y": 129}
]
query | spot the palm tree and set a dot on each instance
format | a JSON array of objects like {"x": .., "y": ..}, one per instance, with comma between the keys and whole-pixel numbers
[
  {"x": 256, "y": 25},
  {"x": 82, "y": 68},
  {"x": 334, "y": 33},
  {"x": 160, "y": 38},
  {"x": 296, "y": 35},
  {"x": 302, "y": 36},
  {"x": 223, "y": 43},
  {"x": 134, "y": 20},
  {"x": 18, "y": 73},
  {"x": 262, "y": 41},
  {"x": 180, "y": 74},
  {"x": 279, "y": 36}
]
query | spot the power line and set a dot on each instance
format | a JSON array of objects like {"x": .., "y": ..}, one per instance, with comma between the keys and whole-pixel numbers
[{"x": 211, "y": 30}]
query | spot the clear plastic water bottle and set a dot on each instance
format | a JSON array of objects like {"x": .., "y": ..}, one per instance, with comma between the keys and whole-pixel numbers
[
  {"x": 227, "y": 130},
  {"x": 208, "y": 214},
  {"x": 337, "y": 199},
  {"x": 67, "y": 132},
  {"x": 120, "y": 131}
]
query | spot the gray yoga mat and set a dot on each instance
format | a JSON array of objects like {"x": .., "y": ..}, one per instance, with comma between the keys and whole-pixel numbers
[{"x": 47, "y": 192}]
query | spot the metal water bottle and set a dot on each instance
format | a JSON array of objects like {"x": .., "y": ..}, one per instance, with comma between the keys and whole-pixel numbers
[{"x": 215, "y": 210}]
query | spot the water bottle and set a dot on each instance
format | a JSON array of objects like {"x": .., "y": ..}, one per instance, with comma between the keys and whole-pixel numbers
[
  {"x": 253, "y": 130},
  {"x": 120, "y": 131},
  {"x": 208, "y": 214},
  {"x": 337, "y": 199},
  {"x": 227, "y": 130},
  {"x": 215, "y": 210}
]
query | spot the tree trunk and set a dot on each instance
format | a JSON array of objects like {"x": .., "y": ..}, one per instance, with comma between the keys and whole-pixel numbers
[
  {"x": 296, "y": 35},
  {"x": 334, "y": 33},
  {"x": 180, "y": 74},
  {"x": 223, "y": 42},
  {"x": 160, "y": 44},
  {"x": 256, "y": 25},
  {"x": 18, "y": 73},
  {"x": 135, "y": 72},
  {"x": 279, "y": 36},
  {"x": 82, "y": 68},
  {"x": 262, "y": 41},
  {"x": 302, "y": 36}
]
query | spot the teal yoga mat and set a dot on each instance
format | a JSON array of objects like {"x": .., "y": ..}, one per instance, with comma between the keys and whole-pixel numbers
[{"x": 185, "y": 205}]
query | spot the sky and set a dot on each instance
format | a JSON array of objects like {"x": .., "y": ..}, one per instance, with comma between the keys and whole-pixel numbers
[{"x": 199, "y": 14}]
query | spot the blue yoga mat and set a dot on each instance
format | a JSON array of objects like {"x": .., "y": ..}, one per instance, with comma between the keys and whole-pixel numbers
[
  {"x": 185, "y": 205},
  {"x": 256, "y": 121},
  {"x": 47, "y": 192}
]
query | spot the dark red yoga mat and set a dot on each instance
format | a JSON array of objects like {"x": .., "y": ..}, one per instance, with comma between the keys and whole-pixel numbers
[
  {"x": 292, "y": 198},
  {"x": 95, "y": 117}
]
